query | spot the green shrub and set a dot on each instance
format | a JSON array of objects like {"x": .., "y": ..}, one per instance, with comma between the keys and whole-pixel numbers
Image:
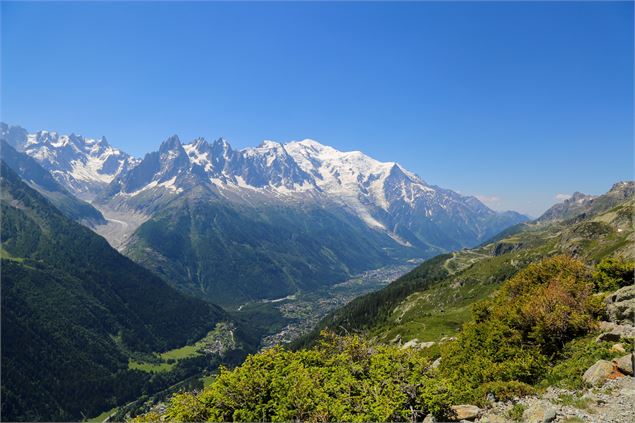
[
  {"x": 613, "y": 273},
  {"x": 518, "y": 333},
  {"x": 575, "y": 359},
  {"x": 342, "y": 379},
  {"x": 516, "y": 412},
  {"x": 505, "y": 391}
]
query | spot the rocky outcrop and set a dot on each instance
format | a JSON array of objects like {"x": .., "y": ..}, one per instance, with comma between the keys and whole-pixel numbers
[
  {"x": 620, "y": 305},
  {"x": 613, "y": 332},
  {"x": 416, "y": 344},
  {"x": 611, "y": 402}
]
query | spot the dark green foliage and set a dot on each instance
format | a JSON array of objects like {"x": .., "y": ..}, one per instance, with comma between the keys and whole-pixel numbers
[
  {"x": 342, "y": 379},
  {"x": 613, "y": 273},
  {"x": 231, "y": 254},
  {"x": 516, "y": 412},
  {"x": 516, "y": 335},
  {"x": 72, "y": 310}
]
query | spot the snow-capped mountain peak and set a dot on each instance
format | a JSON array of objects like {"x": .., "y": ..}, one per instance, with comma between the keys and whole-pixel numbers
[
  {"x": 85, "y": 166},
  {"x": 384, "y": 195}
]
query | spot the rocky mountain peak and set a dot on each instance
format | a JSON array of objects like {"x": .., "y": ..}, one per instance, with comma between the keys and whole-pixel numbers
[
  {"x": 624, "y": 189},
  {"x": 172, "y": 143}
]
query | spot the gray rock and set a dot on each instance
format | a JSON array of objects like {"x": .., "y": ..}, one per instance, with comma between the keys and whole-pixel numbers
[
  {"x": 415, "y": 343},
  {"x": 613, "y": 330},
  {"x": 539, "y": 413},
  {"x": 622, "y": 294},
  {"x": 621, "y": 305},
  {"x": 493, "y": 418},
  {"x": 436, "y": 363},
  {"x": 597, "y": 374},
  {"x": 625, "y": 364},
  {"x": 465, "y": 412}
]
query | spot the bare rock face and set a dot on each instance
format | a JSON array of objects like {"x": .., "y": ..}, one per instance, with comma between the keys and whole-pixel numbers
[
  {"x": 620, "y": 306},
  {"x": 465, "y": 412},
  {"x": 599, "y": 373},
  {"x": 539, "y": 413}
]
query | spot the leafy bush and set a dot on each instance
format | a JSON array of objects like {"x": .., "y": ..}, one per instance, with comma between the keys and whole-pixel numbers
[
  {"x": 343, "y": 379},
  {"x": 521, "y": 330},
  {"x": 613, "y": 273},
  {"x": 520, "y": 336},
  {"x": 516, "y": 412},
  {"x": 505, "y": 391}
]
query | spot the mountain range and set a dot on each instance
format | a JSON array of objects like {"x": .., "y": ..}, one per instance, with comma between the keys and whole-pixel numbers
[{"x": 213, "y": 220}]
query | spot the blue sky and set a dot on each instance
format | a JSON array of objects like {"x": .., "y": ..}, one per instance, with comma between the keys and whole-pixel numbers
[{"x": 514, "y": 102}]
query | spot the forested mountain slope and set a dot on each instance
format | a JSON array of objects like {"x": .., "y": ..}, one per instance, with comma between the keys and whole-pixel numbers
[{"x": 74, "y": 311}]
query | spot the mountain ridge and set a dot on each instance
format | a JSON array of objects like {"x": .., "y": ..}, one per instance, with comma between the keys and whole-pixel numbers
[{"x": 282, "y": 192}]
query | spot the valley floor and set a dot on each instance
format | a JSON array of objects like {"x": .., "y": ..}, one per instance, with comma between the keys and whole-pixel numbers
[{"x": 299, "y": 313}]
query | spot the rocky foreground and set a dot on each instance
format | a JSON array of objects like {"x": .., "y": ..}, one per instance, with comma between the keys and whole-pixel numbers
[{"x": 609, "y": 398}]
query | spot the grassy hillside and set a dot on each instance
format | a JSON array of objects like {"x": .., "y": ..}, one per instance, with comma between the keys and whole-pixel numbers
[
  {"x": 74, "y": 311},
  {"x": 434, "y": 300}
]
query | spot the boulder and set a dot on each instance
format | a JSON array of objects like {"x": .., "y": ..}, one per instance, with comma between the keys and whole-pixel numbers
[
  {"x": 620, "y": 305},
  {"x": 436, "y": 363},
  {"x": 623, "y": 294},
  {"x": 493, "y": 418},
  {"x": 625, "y": 364},
  {"x": 623, "y": 329},
  {"x": 414, "y": 343},
  {"x": 465, "y": 412},
  {"x": 597, "y": 374},
  {"x": 539, "y": 413}
]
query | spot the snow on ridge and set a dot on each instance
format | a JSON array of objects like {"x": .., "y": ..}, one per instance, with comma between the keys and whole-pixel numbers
[{"x": 81, "y": 164}]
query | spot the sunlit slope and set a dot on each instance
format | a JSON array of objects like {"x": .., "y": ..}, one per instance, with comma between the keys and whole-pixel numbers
[{"x": 434, "y": 300}]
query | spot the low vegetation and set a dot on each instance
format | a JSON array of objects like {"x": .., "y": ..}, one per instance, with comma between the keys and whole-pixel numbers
[{"x": 535, "y": 330}]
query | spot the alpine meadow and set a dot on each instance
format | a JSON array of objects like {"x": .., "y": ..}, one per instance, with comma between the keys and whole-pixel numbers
[{"x": 317, "y": 211}]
